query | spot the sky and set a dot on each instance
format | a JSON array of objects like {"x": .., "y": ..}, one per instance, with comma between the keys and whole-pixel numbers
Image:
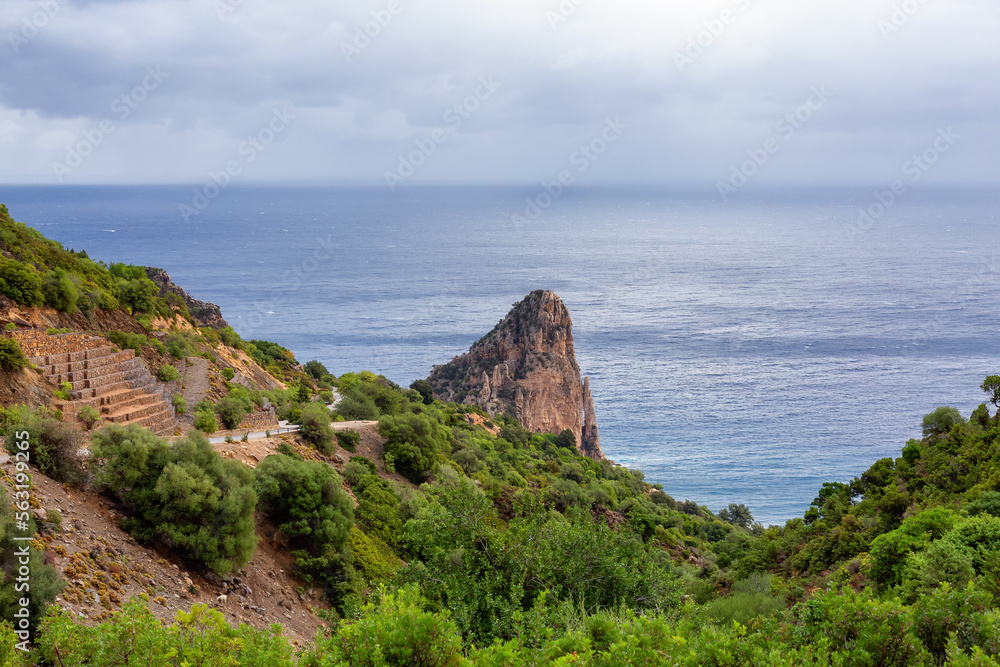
[{"x": 500, "y": 91}]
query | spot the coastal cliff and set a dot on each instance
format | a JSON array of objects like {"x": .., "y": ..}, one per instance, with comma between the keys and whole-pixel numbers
[
  {"x": 526, "y": 366},
  {"x": 204, "y": 314}
]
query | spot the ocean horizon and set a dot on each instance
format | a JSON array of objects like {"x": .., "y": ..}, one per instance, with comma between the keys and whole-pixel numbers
[{"x": 743, "y": 351}]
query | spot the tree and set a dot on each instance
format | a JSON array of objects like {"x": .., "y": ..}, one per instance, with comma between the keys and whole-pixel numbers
[
  {"x": 314, "y": 425},
  {"x": 941, "y": 420},
  {"x": 137, "y": 294},
  {"x": 991, "y": 385},
  {"x": 21, "y": 283},
  {"x": 424, "y": 388},
  {"x": 316, "y": 370},
  {"x": 307, "y": 501},
  {"x": 737, "y": 515},
  {"x": 566, "y": 439},
  {"x": 184, "y": 493},
  {"x": 11, "y": 356},
  {"x": 231, "y": 411},
  {"x": 415, "y": 442},
  {"x": 60, "y": 290}
]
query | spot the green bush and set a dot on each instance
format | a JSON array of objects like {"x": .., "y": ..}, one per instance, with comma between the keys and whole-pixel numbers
[
  {"x": 941, "y": 420},
  {"x": 168, "y": 373},
  {"x": 231, "y": 411},
  {"x": 358, "y": 406},
  {"x": 45, "y": 583},
  {"x": 128, "y": 341},
  {"x": 228, "y": 373},
  {"x": 308, "y": 503},
  {"x": 372, "y": 556},
  {"x": 426, "y": 391},
  {"x": 378, "y": 509},
  {"x": 357, "y": 468},
  {"x": 416, "y": 442},
  {"x": 11, "y": 356},
  {"x": 316, "y": 370},
  {"x": 349, "y": 440},
  {"x": 179, "y": 404},
  {"x": 200, "y": 637},
  {"x": 204, "y": 420},
  {"x": 184, "y": 493},
  {"x": 54, "y": 446},
  {"x": 396, "y": 631},
  {"x": 20, "y": 283},
  {"x": 60, "y": 290},
  {"x": 314, "y": 425},
  {"x": 89, "y": 416},
  {"x": 178, "y": 346}
]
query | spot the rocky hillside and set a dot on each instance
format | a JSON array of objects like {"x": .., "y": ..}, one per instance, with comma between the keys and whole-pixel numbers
[
  {"x": 205, "y": 314},
  {"x": 526, "y": 366}
]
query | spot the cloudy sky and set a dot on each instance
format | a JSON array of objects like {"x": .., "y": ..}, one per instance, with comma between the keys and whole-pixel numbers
[{"x": 167, "y": 91}]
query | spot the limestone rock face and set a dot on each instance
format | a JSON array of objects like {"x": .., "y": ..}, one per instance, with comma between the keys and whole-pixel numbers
[
  {"x": 204, "y": 313},
  {"x": 526, "y": 366}
]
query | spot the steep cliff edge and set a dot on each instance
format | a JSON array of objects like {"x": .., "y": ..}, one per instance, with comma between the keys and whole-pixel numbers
[
  {"x": 526, "y": 366},
  {"x": 205, "y": 314}
]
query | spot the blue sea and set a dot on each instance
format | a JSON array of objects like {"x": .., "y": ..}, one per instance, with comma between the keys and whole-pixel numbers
[{"x": 738, "y": 352}]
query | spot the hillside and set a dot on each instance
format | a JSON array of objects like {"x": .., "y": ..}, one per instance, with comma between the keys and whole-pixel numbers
[{"x": 398, "y": 528}]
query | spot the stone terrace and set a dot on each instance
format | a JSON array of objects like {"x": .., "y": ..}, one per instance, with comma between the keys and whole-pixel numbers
[{"x": 114, "y": 382}]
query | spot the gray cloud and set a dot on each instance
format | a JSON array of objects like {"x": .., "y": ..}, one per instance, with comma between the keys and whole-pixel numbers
[{"x": 559, "y": 82}]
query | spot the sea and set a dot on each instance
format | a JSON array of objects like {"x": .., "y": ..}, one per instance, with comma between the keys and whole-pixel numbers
[{"x": 740, "y": 351}]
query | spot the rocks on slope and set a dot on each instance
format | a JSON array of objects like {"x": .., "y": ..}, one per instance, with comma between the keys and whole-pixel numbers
[
  {"x": 527, "y": 366},
  {"x": 204, "y": 313}
]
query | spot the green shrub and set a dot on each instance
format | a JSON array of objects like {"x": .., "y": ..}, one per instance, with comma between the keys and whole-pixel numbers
[
  {"x": 372, "y": 556},
  {"x": 395, "y": 631},
  {"x": 20, "y": 283},
  {"x": 308, "y": 503},
  {"x": 314, "y": 425},
  {"x": 11, "y": 356},
  {"x": 184, "y": 493},
  {"x": 426, "y": 391},
  {"x": 416, "y": 442},
  {"x": 89, "y": 416},
  {"x": 60, "y": 290},
  {"x": 358, "y": 406},
  {"x": 357, "y": 468},
  {"x": 228, "y": 373},
  {"x": 128, "y": 341},
  {"x": 231, "y": 411},
  {"x": 179, "y": 404},
  {"x": 178, "y": 346},
  {"x": 168, "y": 373},
  {"x": 204, "y": 420},
  {"x": 53, "y": 445},
  {"x": 200, "y": 637},
  {"x": 941, "y": 420},
  {"x": 45, "y": 583},
  {"x": 349, "y": 440},
  {"x": 749, "y": 599},
  {"x": 378, "y": 509},
  {"x": 316, "y": 370}
]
